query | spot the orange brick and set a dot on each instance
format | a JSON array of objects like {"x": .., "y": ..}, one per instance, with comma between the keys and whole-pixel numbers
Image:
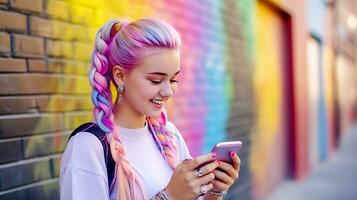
[
  {"x": 12, "y": 21},
  {"x": 30, "y": 124},
  {"x": 70, "y": 32},
  {"x": 28, "y": 84},
  {"x": 41, "y": 27},
  {"x": 12, "y": 65},
  {"x": 81, "y": 68},
  {"x": 33, "y": 6},
  {"x": 4, "y": 43},
  {"x": 37, "y": 65},
  {"x": 65, "y": 66},
  {"x": 56, "y": 65},
  {"x": 74, "y": 85},
  {"x": 63, "y": 103},
  {"x": 27, "y": 46},
  {"x": 60, "y": 29},
  {"x": 59, "y": 49},
  {"x": 13, "y": 105}
]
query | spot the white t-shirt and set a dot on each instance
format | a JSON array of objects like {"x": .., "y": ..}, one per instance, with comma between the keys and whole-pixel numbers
[{"x": 83, "y": 173}]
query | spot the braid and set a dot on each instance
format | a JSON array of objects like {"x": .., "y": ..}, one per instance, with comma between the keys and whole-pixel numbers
[
  {"x": 165, "y": 139},
  {"x": 130, "y": 187},
  {"x": 128, "y": 183},
  {"x": 101, "y": 95}
]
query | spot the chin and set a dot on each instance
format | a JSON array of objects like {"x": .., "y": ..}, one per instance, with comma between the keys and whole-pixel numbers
[{"x": 154, "y": 114}]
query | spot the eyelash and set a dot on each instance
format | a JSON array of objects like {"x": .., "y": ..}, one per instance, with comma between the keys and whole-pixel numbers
[{"x": 158, "y": 82}]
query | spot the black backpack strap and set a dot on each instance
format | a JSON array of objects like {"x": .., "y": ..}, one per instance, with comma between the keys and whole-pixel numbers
[{"x": 100, "y": 134}]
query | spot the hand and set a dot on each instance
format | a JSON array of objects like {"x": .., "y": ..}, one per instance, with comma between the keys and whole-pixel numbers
[
  {"x": 186, "y": 182},
  {"x": 226, "y": 174}
]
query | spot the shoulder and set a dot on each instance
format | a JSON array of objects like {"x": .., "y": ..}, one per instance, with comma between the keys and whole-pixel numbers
[
  {"x": 83, "y": 171},
  {"x": 84, "y": 151},
  {"x": 172, "y": 129},
  {"x": 183, "y": 151}
]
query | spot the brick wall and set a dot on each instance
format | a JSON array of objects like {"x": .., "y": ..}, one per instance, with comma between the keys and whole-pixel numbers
[
  {"x": 45, "y": 46},
  {"x": 43, "y": 93}
]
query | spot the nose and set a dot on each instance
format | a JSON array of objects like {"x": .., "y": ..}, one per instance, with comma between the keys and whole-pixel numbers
[{"x": 166, "y": 90}]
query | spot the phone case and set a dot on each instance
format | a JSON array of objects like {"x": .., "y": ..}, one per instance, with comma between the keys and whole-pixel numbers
[{"x": 223, "y": 149}]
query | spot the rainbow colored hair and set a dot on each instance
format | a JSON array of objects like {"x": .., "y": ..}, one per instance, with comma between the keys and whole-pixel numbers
[{"x": 126, "y": 43}]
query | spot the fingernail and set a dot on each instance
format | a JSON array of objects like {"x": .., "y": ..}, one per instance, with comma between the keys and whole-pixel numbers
[
  {"x": 213, "y": 155},
  {"x": 231, "y": 153}
]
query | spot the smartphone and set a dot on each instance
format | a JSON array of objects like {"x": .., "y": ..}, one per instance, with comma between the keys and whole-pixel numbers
[{"x": 222, "y": 150}]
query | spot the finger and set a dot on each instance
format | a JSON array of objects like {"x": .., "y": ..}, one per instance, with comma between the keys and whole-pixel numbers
[
  {"x": 209, "y": 187},
  {"x": 223, "y": 177},
  {"x": 206, "y": 168},
  {"x": 236, "y": 160},
  {"x": 228, "y": 169},
  {"x": 220, "y": 186},
  {"x": 204, "y": 179},
  {"x": 193, "y": 164}
]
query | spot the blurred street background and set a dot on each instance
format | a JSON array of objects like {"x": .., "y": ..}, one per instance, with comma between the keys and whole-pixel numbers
[
  {"x": 280, "y": 75},
  {"x": 334, "y": 179}
]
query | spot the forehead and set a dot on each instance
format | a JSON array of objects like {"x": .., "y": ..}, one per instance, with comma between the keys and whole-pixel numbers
[{"x": 165, "y": 60}]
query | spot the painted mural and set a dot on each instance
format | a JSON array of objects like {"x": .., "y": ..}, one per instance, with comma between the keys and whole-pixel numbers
[
  {"x": 201, "y": 106},
  {"x": 232, "y": 84},
  {"x": 268, "y": 155},
  {"x": 215, "y": 95}
]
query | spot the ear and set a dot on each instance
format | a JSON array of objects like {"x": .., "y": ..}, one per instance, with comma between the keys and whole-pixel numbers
[{"x": 118, "y": 74}]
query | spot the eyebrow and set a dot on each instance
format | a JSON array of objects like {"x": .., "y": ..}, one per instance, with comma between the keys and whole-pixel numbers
[{"x": 162, "y": 74}]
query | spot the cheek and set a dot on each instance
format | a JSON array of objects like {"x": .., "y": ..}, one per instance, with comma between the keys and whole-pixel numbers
[
  {"x": 142, "y": 91},
  {"x": 148, "y": 90}
]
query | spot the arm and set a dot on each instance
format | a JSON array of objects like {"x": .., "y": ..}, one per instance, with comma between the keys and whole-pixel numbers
[
  {"x": 81, "y": 185},
  {"x": 83, "y": 171}
]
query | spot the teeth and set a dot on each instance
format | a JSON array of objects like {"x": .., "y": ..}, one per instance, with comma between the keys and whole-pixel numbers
[{"x": 159, "y": 102}]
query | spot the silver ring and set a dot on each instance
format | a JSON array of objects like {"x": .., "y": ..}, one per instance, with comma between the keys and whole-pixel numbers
[
  {"x": 203, "y": 189},
  {"x": 199, "y": 172},
  {"x": 218, "y": 194}
]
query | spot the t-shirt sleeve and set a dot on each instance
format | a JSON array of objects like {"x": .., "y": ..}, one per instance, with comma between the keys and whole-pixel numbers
[
  {"x": 183, "y": 152},
  {"x": 83, "y": 174}
]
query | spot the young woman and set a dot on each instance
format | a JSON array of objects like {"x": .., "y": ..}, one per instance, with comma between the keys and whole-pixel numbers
[{"x": 150, "y": 159}]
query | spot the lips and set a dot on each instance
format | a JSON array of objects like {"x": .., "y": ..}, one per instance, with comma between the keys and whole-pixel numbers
[{"x": 158, "y": 103}]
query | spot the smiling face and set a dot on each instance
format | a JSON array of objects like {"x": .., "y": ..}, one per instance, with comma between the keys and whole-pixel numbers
[{"x": 149, "y": 85}]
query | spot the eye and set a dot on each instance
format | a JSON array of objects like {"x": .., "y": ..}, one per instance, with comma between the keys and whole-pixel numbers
[
  {"x": 173, "y": 81},
  {"x": 155, "y": 82}
]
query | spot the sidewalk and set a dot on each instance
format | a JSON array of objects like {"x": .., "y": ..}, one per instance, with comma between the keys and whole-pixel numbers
[{"x": 336, "y": 179}]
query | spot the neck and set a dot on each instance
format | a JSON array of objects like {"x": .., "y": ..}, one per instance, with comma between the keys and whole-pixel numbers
[{"x": 126, "y": 117}]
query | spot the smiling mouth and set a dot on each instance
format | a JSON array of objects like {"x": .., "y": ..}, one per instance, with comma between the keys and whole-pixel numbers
[{"x": 157, "y": 102}]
